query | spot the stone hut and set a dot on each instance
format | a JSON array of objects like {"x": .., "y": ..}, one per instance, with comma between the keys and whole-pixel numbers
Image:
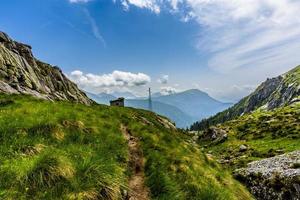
[{"x": 118, "y": 102}]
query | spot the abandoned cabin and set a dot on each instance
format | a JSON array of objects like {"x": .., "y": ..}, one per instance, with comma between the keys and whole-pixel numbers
[{"x": 118, "y": 102}]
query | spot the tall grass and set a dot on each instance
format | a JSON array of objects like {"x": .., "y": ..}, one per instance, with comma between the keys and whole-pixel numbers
[
  {"x": 59, "y": 150},
  {"x": 176, "y": 169}
]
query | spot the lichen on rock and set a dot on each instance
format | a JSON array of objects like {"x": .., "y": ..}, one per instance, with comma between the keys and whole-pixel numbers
[
  {"x": 214, "y": 135},
  {"x": 273, "y": 178},
  {"x": 22, "y": 73}
]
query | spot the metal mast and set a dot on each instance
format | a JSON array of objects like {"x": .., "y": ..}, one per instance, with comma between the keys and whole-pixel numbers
[{"x": 150, "y": 100}]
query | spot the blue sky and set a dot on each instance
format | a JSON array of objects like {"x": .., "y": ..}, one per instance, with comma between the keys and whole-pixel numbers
[{"x": 223, "y": 47}]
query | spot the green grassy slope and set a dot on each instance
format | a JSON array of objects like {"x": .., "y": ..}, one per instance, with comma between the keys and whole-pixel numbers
[
  {"x": 59, "y": 150},
  {"x": 265, "y": 133}
]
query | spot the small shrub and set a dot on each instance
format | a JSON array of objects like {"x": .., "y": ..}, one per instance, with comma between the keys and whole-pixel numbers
[
  {"x": 42, "y": 130},
  {"x": 48, "y": 171},
  {"x": 6, "y": 102},
  {"x": 276, "y": 182}
]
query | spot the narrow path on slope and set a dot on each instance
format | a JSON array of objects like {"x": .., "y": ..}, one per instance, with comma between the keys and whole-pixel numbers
[{"x": 137, "y": 188}]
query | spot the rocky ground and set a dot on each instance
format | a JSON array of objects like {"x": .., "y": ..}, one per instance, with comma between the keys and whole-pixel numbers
[{"x": 273, "y": 178}]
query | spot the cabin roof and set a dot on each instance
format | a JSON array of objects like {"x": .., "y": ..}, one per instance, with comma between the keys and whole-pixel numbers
[{"x": 118, "y": 100}]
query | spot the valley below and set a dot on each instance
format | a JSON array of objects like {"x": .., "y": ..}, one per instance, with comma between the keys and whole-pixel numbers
[{"x": 178, "y": 107}]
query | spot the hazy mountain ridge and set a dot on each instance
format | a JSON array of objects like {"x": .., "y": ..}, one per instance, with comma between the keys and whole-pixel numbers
[
  {"x": 273, "y": 93},
  {"x": 183, "y": 108},
  {"x": 181, "y": 119},
  {"x": 21, "y": 72},
  {"x": 196, "y": 103},
  {"x": 101, "y": 98}
]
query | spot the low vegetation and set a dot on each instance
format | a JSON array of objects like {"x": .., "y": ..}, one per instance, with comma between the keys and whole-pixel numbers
[
  {"x": 262, "y": 133},
  {"x": 60, "y": 150}
]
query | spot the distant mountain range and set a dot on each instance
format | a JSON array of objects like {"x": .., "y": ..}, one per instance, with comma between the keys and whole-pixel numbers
[
  {"x": 101, "y": 98},
  {"x": 183, "y": 108},
  {"x": 178, "y": 116},
  {"x": 196, "y": 103}
]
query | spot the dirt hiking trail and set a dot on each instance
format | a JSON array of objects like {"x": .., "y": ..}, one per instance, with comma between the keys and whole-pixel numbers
[{"x": 137, "y": 188}]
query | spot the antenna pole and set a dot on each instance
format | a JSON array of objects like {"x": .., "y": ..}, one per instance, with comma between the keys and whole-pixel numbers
[{"x": 150, "y": 100}]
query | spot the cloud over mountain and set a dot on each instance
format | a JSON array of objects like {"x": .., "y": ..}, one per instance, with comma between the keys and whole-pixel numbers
[
  {"x": 168, "y": 90},
  {"x": 163, "y": 79},
  {"x": 115, "y": 79}
]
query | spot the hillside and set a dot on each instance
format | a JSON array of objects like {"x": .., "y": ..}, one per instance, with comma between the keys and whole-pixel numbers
[
  {"x": 21, "y": 73},
  {"x": 256, "y": 138},
  {"x": 273, "y": 93},
  {"x": 241, "y": 144},
  {"x": 61, "y": 150},
  {"x": 263, "y": 133}
]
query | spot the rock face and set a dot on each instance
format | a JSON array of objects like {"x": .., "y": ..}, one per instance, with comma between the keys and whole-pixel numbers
[
  {"x": 22, "y": 73},
  {"x": 214, "y": 135},
  {"x": 243, "y": 148},
  {"x": 262, "y": 93},
  {"x": 273, "y": 178}
]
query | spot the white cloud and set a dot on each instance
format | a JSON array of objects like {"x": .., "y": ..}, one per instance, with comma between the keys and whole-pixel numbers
[
  {"x": 163, "y": 79},
  {"x": 245, "y": 33},
  {"x": 238, "y": 33},
  {"x": 245, "y": 40},
  {"x": 148, "y": 4},
  {"x": 168, "y": 90},
  {"x": 105, "y": 81},
  {"x": 79, "y": 1}
]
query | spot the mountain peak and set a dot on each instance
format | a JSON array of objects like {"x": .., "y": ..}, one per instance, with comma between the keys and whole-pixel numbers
[
  {"x": 196, "y": 91},
  {"x": 190, "y": 94}
]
